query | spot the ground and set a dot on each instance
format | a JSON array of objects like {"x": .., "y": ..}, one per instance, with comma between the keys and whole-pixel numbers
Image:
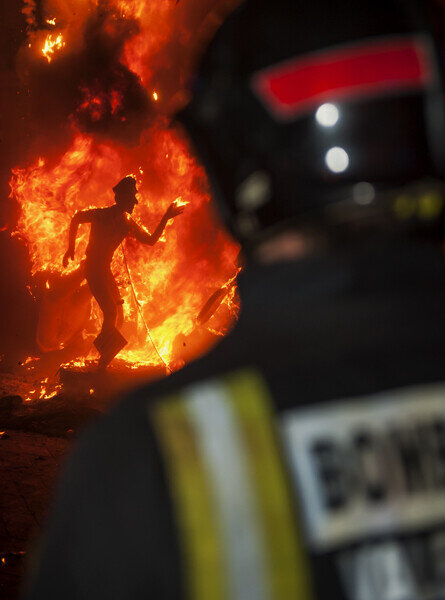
[
  {"x": 35, "y": 434},
  {"x": 29, "y": 464}
]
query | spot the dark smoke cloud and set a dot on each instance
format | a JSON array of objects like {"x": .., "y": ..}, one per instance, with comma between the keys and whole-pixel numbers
[{"x": 87, "y": 86}]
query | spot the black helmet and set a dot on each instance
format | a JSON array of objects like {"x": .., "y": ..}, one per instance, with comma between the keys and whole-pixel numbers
[{"x": 318, "y": 110}]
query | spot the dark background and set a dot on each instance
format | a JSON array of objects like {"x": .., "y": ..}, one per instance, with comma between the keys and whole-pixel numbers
[{"x": 16, "y": 306}]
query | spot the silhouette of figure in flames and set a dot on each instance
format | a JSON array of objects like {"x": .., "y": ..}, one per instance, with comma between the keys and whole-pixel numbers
[{"x": 109, "y": 227}]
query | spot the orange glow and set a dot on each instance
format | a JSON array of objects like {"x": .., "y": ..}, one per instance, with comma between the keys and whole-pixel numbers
[
  {"x": 51, "y": 45},
  {"x": 155, "y": 96}
]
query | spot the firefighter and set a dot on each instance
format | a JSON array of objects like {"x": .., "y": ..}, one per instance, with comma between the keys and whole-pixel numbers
[
  {"x": 109, "y": 227},
  {"x": 304, "y": 457}
]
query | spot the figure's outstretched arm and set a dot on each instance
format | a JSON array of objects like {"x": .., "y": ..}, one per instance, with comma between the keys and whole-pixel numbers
[
  {"x": 83, "y": 216},
  {"x": 142, "y": 234}
]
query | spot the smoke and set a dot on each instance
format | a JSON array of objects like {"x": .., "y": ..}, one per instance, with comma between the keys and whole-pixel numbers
[
  {"x": 86, "y": 86},
  {"x": 29, "y": 11}
]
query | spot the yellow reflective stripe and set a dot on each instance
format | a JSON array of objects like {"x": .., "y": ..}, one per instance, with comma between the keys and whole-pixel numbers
[
  {"x": 286, "y": 559},
  {"x": 223, "y": 449},
  {"x": 198, "y": 528},
  {"x": 198, "y": 431}
]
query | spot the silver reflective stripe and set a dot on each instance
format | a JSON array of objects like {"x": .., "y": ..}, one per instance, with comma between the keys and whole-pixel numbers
[{"x": 221, "y": 444}]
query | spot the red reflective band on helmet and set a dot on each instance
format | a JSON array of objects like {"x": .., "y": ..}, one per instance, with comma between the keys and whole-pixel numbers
[{"x": 366, "y": 69}]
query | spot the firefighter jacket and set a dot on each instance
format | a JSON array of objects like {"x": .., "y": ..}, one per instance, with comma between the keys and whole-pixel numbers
[{"x": 303, "y": 458}]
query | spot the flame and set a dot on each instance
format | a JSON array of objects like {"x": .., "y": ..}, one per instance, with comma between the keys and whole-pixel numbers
[
  {"x": 43, "y": 390},
  {"x": 170, "y": 281},
  {"x": 51, "y": 45},
  {"x": 164, "y": 287}
]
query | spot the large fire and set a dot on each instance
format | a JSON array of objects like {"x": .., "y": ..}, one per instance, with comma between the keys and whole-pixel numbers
[{"x": 180, "y": 294}]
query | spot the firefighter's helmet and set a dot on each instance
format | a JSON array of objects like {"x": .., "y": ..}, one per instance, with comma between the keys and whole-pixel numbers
[{"x": 321, "y": 111}]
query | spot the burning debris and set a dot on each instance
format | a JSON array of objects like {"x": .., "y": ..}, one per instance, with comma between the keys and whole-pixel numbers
[{"x": 101, "y": 88}]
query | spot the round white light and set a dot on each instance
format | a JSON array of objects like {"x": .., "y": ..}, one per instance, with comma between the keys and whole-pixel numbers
[
  {"x": 327, "y": 115},
  {"x": 337, "y": 159}
]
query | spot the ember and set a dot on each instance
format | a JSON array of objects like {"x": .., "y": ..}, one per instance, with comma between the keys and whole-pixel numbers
[
  {"x": 51, "y": 45},
  {"x": 192, "y": 268}
]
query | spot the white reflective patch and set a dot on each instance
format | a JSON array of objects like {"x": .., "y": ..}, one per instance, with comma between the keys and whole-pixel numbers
[
  {"x": 223, "y": 450},
  {"x": 379, "y": 572},
  {"x": 369, "y": 466}
]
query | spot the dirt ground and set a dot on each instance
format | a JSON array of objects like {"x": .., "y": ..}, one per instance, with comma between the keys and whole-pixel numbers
[
  {"x": 35, "y": 435},
  {"x": 29, "y": 464}
]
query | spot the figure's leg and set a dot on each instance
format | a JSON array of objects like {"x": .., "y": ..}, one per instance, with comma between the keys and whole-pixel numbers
[
  {"x": 110, "y": 311},
  {"x": 114, "y": 291},
  {"x": 109, "y": 342},
  {"x": 103, "y": 292}
]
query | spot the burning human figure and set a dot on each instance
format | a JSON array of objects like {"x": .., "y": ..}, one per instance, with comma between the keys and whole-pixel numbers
[{"x": 109, "y": 227}]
